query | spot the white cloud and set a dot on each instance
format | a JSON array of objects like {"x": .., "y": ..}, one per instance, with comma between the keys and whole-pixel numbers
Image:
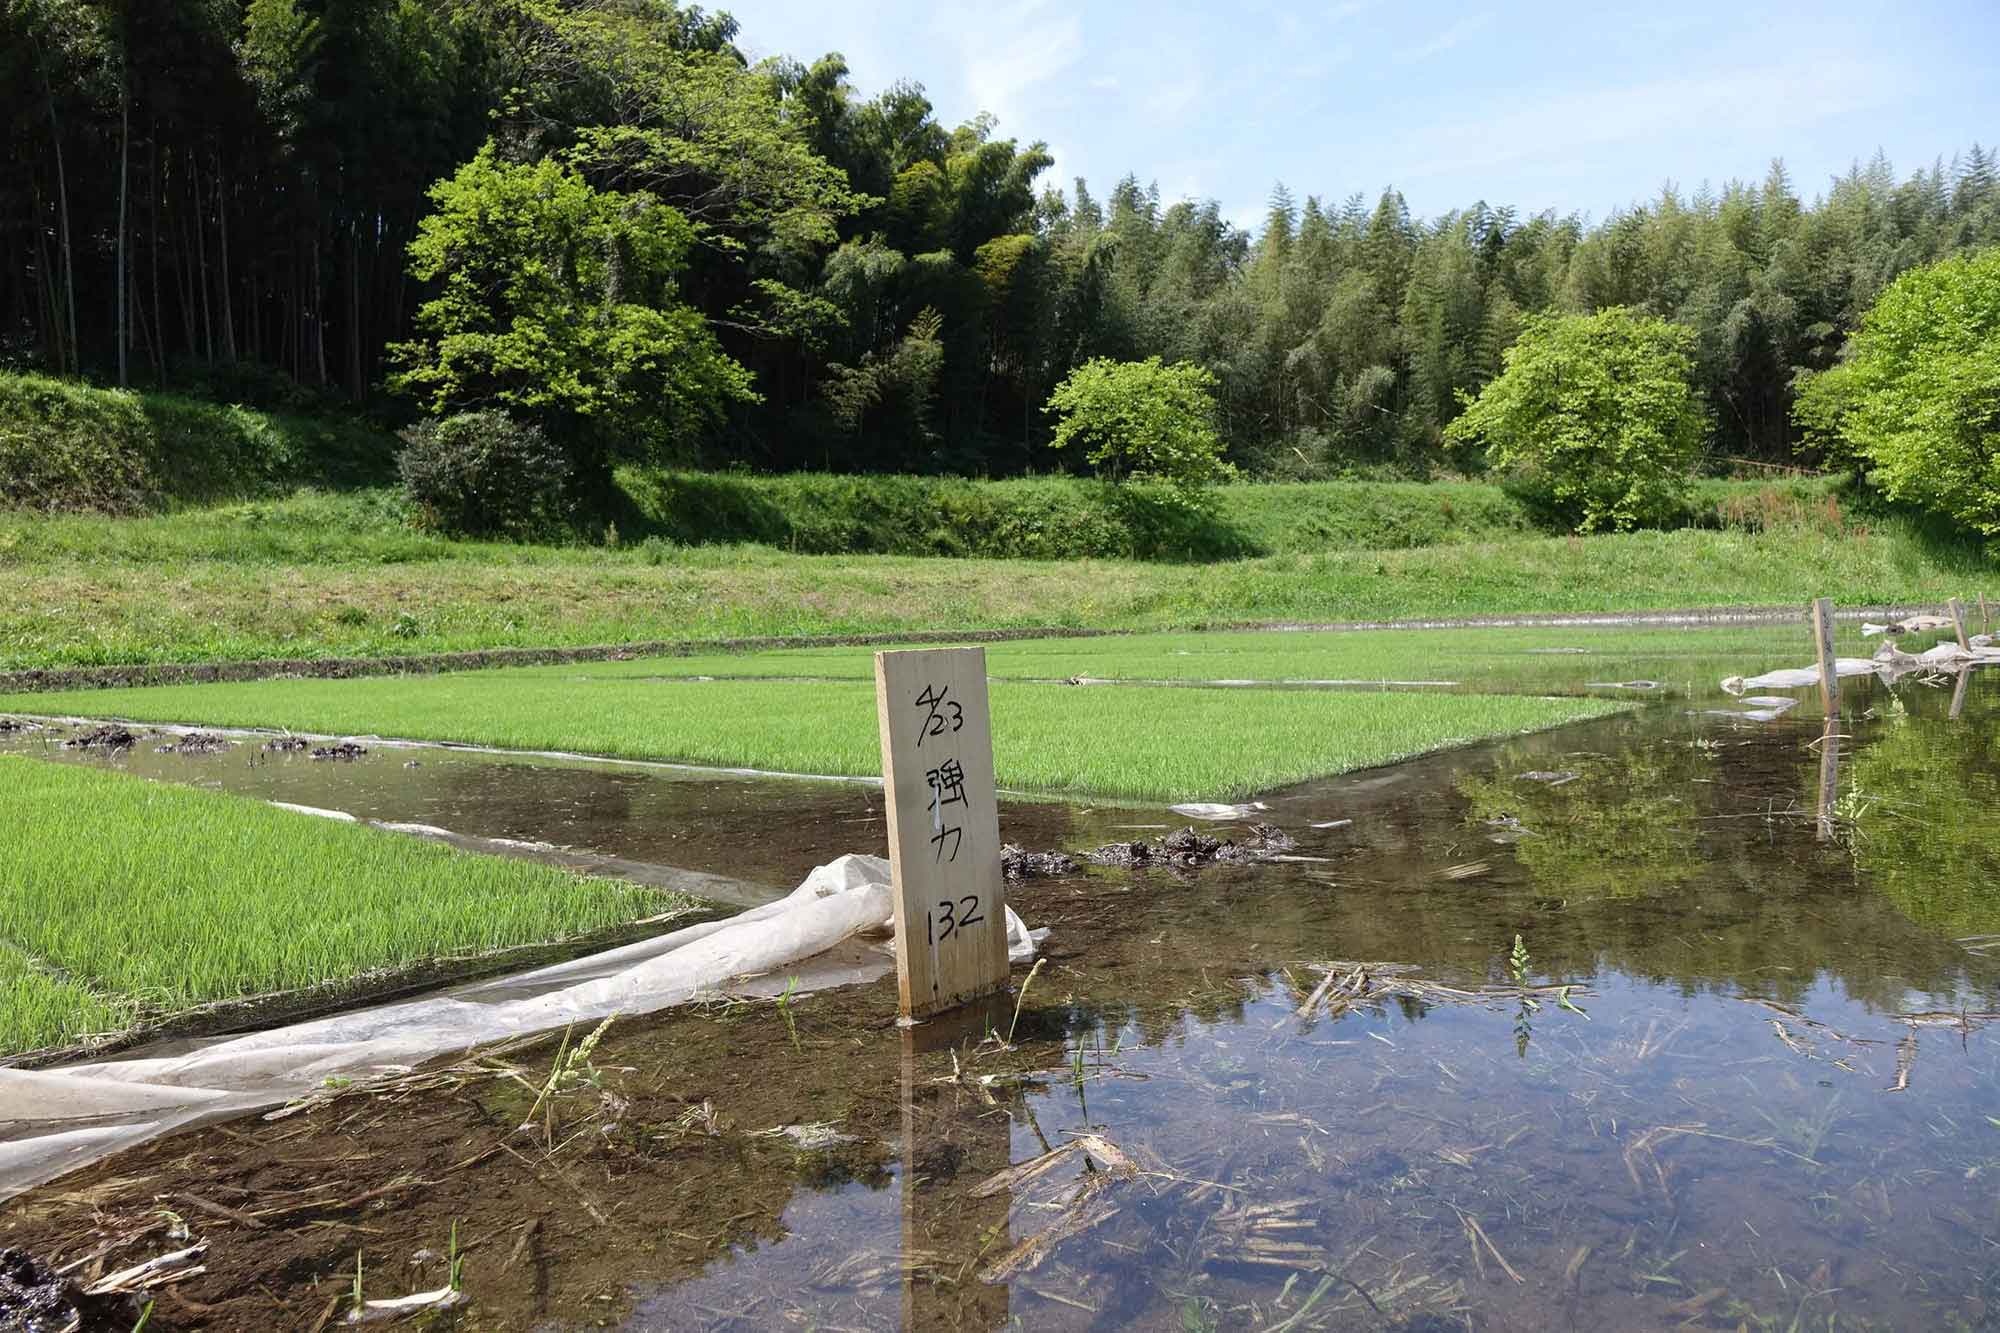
[
  {"x": 1013, "y": 50},
  {"x": 1452, "y": 36}
]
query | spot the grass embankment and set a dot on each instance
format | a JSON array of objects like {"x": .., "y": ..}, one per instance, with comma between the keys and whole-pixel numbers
[
  {"x": 71, "y": 447},
  {"x": 1161, "y": 743},
  {"x": 1066, "y": 518},
  {"x": 318, "y": 578},
  {"x": 125, "y": 901}
]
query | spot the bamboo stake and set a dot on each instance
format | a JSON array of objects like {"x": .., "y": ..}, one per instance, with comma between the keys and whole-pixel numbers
[{"x": 1957, "y": 609}]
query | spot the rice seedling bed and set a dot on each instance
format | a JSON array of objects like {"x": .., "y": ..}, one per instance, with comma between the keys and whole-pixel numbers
[
  {"x": 1539, "y": 659},
  {"x": 1162, "y": 743},
  {"x": 124, "y": 901}
]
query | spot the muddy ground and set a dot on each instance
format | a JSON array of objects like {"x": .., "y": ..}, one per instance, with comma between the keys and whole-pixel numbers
[{"x": 666, "y": 1152}]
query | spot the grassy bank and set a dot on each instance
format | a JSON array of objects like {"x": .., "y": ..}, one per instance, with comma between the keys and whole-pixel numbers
[
  {"x": 125, "y": 901},
  {"x": 71, "y": 447},
  {"x": 1159, "y": 743},
  {"x": 94, "y": 591}
]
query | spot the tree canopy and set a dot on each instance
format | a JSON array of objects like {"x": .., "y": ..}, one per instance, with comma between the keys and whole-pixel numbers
[
  {"x": 226, "y": 192},
  {"x": 1142, "y": 419},
  {"x": 561, "y": 302},
  {"x": 1595, "y": 412},
  {"x": 1918, "y": 397}
]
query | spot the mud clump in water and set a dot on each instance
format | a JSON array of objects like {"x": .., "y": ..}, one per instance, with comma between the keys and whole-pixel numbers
[
  {"x": 344, "y": 750},
  {"x": 102, "y": 738},
  {"x": 35, "y": 1299},
  {"x": 11, "y": 724},
  {"x": 1019, "y": 863},
  {"x": 288, "y": 745},
  {"x": 1189, "y": 849},
  {"x": 197, "y": 742}
]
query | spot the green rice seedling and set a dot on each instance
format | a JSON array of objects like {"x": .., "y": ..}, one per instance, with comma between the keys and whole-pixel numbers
[
  {"x": 455, "y": 1261},
  {"x": 187, "y": 897},
  {"x": 1536, "y": 659},
  {"x": 785, "y": 1010},
  {"x": 1138, "y": 743}
]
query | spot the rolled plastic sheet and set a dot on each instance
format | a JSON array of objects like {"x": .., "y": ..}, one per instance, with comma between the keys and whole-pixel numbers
[{"x": 53, "y": 1121}]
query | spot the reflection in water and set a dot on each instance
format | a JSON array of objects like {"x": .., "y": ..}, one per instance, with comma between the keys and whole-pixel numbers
[{"x": 1740, "y": 1071}]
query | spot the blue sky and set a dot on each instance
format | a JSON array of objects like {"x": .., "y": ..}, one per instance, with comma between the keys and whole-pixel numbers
[{"x": 1554, "y": 103}]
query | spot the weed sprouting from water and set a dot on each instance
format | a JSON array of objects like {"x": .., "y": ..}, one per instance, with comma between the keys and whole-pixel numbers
[
  {"x": 572, "y": 1069},
  {"x": 1517, "y": 968},
  {"x": 785, "y": 1000},
  {"x": 1517, "y": 962},
  {"x": 1022, "y": 998}
]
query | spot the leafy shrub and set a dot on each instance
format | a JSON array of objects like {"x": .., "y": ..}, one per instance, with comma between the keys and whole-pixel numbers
[
  {"x": 484, "y": 474},
  {"x": 1596, "y": 417},
  {"x": 1142, "y": 419},
  {"x": 1918, "y": 396}
]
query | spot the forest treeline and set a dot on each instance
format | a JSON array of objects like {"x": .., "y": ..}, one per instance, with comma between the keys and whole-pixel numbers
[{"x": 220, "y": 192}]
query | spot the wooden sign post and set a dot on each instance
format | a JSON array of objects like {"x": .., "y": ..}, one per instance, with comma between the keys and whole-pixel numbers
[{"x": 944, "y": 827}]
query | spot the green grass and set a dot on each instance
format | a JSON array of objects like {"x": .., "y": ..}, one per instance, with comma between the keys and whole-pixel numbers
[
  {"x": 125, "y": 900},
  {"x": 1132, "y": 742},
  {"x": 70, "y": 446},
  {"x": 95, "y": 591},
  {"x": 1059, "y": 517}
]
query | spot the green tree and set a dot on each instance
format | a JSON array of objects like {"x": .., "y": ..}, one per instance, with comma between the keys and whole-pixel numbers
[
  {"x": 1142, "y": 419},
  {"x": 559, "y": 303},
  {"x": 1596, "y": 413},
  {"x": 1918, "y": 396}
]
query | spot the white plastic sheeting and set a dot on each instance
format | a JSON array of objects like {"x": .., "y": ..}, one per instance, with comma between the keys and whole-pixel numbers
[
  {"x": 53, "y": 1121},
  {"x": 1890, "y": 663}
]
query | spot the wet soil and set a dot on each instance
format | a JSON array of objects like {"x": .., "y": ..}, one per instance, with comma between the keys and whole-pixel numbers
[
  {"x": 347, "y": 750},
  {"x": 1667, "y": 1043},
  {"x": 103, "y": 738},
  {"x": 1020, "y": 863},
  {"x": 196, "y": 743},
  {"x": 34, "y": 1298},
  {"x": 1189, "y": 849}
]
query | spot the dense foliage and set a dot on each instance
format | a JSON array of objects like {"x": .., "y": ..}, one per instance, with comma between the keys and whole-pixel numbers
[
  {"x": 1142, "y": 419},
  {"x": 560, "y": 302},
  {"x": 484, "y": 474},
  {"x": 1595, "y": 415},
  {"x": 1919, "y": 395},
  {"x": 210, "y": 184}
]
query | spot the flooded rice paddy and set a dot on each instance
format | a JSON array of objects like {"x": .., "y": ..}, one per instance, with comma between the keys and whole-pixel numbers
[{"x": 1636, "y": 1024}]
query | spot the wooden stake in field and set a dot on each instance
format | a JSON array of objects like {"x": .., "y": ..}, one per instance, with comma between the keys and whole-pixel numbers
[
  {"x": 1829, "y": 776},
  {"x": 944, "y": 827},
  {"x": 1829, "y": 677},
  {"x": 1957, "y": 609}
]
